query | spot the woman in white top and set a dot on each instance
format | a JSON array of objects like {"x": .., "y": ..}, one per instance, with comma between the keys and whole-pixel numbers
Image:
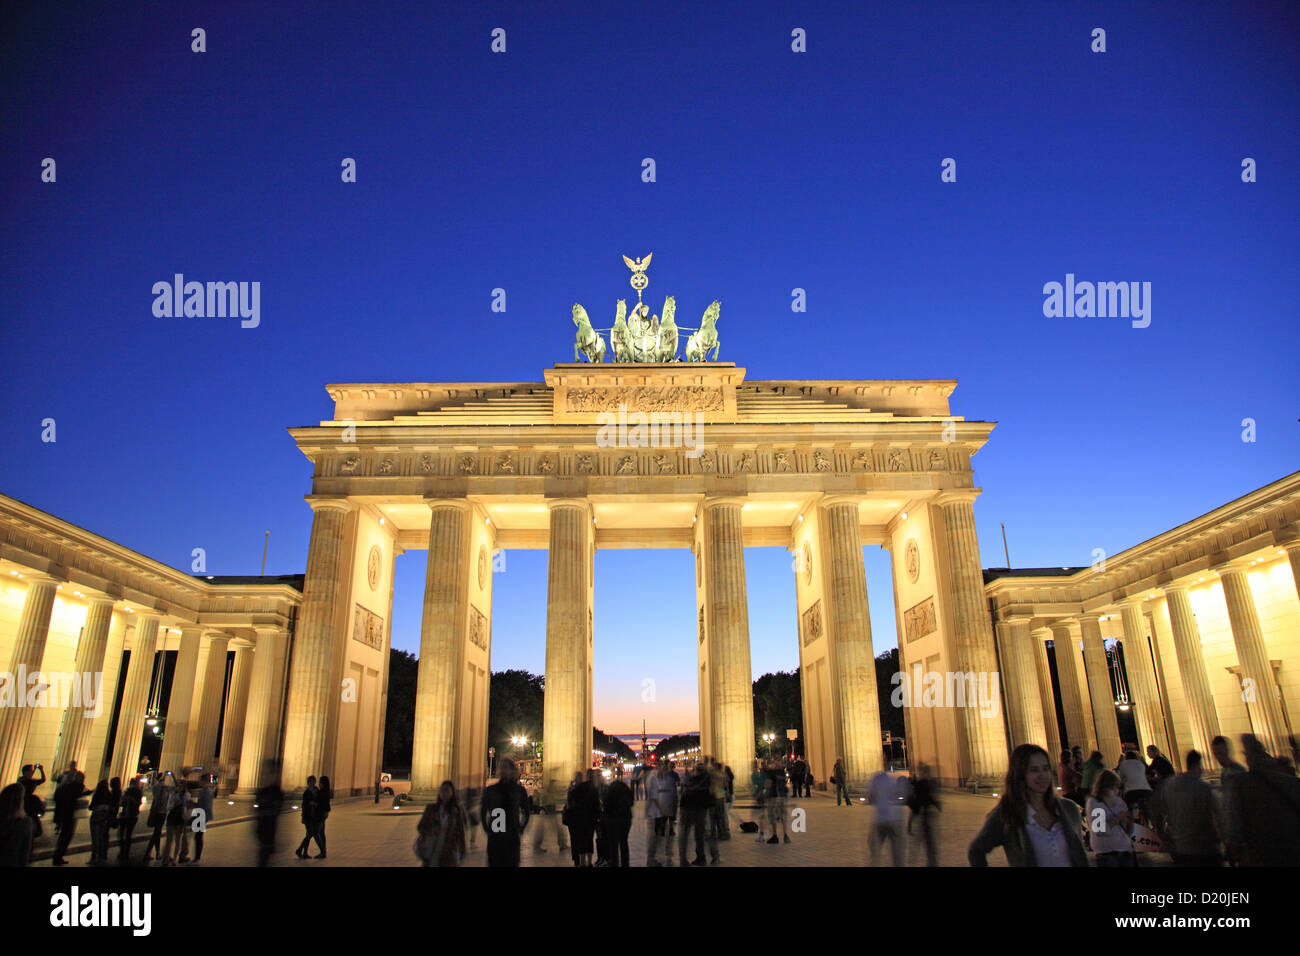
[
  {"x": 1109, "y": 823},
  {"x": 1133, "y": 774}
]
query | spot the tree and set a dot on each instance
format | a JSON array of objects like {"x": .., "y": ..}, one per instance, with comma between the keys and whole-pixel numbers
[
  {"x": 671, "y": 745},
  {"x": 606, "y": 744},
  {"x": 399, "y": 718},
  {"x": 515, "y": 707},
  {"x": 778, "y": 707},
  {"x": 891, "y": 717}
]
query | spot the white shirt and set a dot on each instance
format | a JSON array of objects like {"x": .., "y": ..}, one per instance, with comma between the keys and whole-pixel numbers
[
  {"x": 1134, "y": 774},
  {"x": 1107, "y": 835},
  {"x": 1049, "y": 846}
]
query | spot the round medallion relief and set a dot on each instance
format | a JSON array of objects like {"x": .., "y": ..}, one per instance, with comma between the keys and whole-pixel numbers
[
  {"x": 482, "y": 567},
  {"x": 807, "y": 563},
  {"x": 373, "y": 562},
  {"x": 912, "y": 558}
]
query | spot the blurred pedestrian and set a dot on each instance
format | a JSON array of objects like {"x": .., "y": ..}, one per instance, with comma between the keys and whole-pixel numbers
[
  {"x": 617, "y": 819},
  {"x": 661, "y": 804},
  {"x": 66, "y": 797},
  {"x": 924, "y": 805},
  {"x": 201, "y": 814},
  {"x": 15, "y": 827},
  {"x": 774, "y": 801},
  {"x": 1262, "y": 811},
  {"x": 1191, "y": 813},
  {"x": 504, "y": 815},
  {"x": 324, "y": 801},
  {"x": 696, "y": 800},
  {"x": 267, "y": 802},
  {"x": 1068, "y": 778},
  {"x": 581, "y": 814},
  {"x": 888, "y": 795}
]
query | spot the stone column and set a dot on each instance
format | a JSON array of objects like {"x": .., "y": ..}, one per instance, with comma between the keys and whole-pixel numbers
[
  {"x": 986, "y": 741},
  {"x": 313, "y": 683},
  {"x": 29, "y": 652},
  {"x": 1265, "y": 711},
  {"x": 442, "y": 646},
  {"x": 214, "y": 688},
  {"x": 1102, "y": 695},
  {"x": 135, "y": 698},
  {"x": 848, "y": 627},
  {"x": 1201, "y": 714},
  {"x": 1052, "y": 730},
  {"x": 1019, "y": 683},
  {"x": 232, "y": 737},
  {"x": 265, "y": 701},
  {"x": 1067, "y": 676},
  {"x": 176, "y": 729},
  {"x": 74, "y": 732},
  {"x": 566, "y": 732},
  {"x": 1148, "y": 712}
]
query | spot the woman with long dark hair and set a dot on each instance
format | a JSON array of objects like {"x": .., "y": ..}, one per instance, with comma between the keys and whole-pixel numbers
[
  {"x": 441, "y": 840},
  {"x": 102, "y": 811},
  {"x": 1032, "y": 825}
]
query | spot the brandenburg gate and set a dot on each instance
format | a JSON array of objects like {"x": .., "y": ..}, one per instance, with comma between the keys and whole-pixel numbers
[{"x": 646, "y": 451}]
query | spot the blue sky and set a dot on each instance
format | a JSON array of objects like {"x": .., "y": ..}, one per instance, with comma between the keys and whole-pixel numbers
[{"x": 775, "y": 170}]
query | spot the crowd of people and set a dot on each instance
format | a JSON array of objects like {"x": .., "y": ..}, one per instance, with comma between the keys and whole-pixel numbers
[
  {"x": 178, "y": 809},
  {"x": 1252, "y": 818}
]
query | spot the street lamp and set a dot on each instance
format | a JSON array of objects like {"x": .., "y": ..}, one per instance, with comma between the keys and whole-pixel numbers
[{"x": 768, "y": 739}]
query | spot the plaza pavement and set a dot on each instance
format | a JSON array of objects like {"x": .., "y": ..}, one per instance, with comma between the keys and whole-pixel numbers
[{"x": 362, "y": 833}]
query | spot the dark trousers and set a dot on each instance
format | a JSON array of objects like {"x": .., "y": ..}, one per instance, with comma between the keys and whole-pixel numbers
[
  {"x": 198, "y": 845},
  {"x": 310, "y": 831},
  {"x": 841, "y": 789},
  {"x": 503, "y": 849},
  {"x": 695, "y": 818},
  {"x": 155, "y": 839},
  {"x": 124, "y": 828},
  {"x": 319, "y": 836},
  {"x": 265, "y": 839},
  {"x": 66, "y": 829},
  {"x": 718, "y": 819},
  {"x": 616, "y": 831}
]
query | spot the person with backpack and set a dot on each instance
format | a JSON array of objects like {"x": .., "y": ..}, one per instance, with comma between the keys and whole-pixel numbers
[{"x": 839, "y": 778}]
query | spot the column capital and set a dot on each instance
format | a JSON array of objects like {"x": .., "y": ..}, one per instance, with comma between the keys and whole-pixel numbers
[
  {"x": 459, "y": 504},
  {"x": 956, "y": 496},
  {"x": 578, "y": 504},
  {"x": 831, "y": 501},
  {"x": 714, "y": 501},
  {"x": 35, "y": 576},
  {"x": 331, "y": 503}
]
